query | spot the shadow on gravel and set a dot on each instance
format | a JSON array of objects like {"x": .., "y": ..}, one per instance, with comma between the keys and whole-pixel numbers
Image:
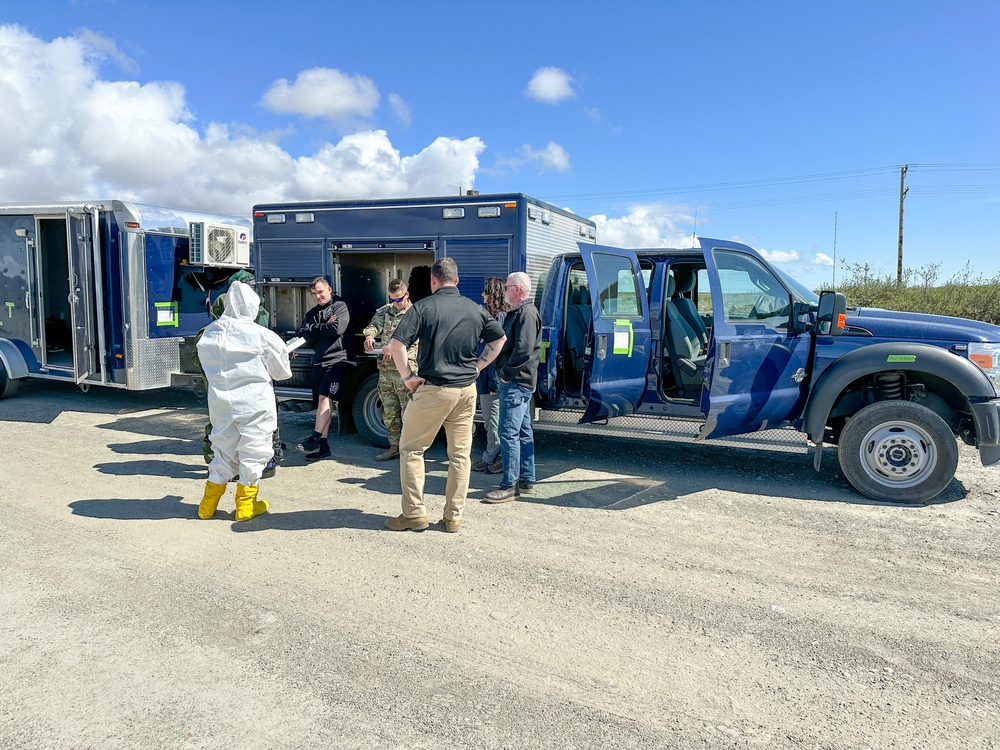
[
  {"x": 308, "y": 520},
  {"x": 164, "y": 447},
  {"x": 131, "y": 509},
  {"x": 153, "y": 468},
  {"x": 622, "y": 474},
  {"x": 42, "y": 401}
]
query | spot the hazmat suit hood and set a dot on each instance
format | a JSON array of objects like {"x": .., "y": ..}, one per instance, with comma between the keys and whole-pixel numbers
[{"x": 242, "y": 302}]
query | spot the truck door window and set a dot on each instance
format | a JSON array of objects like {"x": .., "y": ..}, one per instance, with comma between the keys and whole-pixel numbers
[
  {"x": 618, "y": 291},
  {"x": 750, "y": 291},
  {"x": 704, "y": 295}
]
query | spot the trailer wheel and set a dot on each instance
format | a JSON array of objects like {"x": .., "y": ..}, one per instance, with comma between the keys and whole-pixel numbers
[
  {"x": 8, "y": 385},
  {"x": 898, "y": 451},
  {"x": 366, "y": 408}
]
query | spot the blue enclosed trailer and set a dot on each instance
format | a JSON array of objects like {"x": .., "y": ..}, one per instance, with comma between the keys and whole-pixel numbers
[
  {"x": 361, "y": 245},
  {"x": 108, "y": 292}
]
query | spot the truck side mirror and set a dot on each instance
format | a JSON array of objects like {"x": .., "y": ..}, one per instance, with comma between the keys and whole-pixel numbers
[
  {"x": 831, "y": 318},
  {"x": 801, "y": 317}
]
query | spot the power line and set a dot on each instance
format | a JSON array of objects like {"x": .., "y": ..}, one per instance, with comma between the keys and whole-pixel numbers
[{"x": 793, "y": 180}]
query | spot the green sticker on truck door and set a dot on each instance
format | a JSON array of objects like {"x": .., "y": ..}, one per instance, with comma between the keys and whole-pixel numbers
[{"x": 623, "y": 337}]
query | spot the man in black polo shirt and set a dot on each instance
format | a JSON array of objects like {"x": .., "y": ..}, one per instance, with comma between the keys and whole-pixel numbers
[{"x": 449, "y": 327}]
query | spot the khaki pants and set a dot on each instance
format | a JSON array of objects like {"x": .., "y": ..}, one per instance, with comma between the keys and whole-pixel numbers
[{"x": 432, "y": 407}]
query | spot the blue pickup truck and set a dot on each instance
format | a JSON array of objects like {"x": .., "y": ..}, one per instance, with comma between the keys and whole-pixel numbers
[
  {"x": 713, "y": 335},
  {"x": 717, "y": 335}
]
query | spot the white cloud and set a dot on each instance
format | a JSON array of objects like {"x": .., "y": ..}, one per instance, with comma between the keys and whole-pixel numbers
[
  {"x": 780, "y": 256},
  {"x": 401, "y": 109},
  {"x": 69, "y": 135},
  {"x": 550, "y": 85},
  {"x": 651, "y": 225},
  {"x": 324, "y": 92},
  {"x": 821, "y": 259},
  {"x": 553, "y": 156}
]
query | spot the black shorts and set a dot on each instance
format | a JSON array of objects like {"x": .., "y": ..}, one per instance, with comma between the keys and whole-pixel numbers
[{"x": 326, "y": 381}]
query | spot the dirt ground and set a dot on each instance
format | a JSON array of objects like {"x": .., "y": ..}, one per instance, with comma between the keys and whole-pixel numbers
[{"x": 645, "y": 596}]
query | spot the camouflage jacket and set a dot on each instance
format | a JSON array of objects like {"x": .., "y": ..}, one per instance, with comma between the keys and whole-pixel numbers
[{"x": 384, "y": 324}]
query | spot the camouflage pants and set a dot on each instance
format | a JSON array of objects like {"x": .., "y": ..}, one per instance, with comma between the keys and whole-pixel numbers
[{"x": 395, "y": 396}]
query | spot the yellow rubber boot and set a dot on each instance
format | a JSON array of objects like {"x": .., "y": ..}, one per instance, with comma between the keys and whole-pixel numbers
[
  {"x": 247, "y": 504},
  {"x": 210, "y": 500}
]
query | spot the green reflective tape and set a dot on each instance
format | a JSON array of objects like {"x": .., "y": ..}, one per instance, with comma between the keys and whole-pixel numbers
[
  {"x": 623, "y": 337},
  {"x": 901, "y": 358},
  {"x": 541, "y": 353},
  {"x": 167, "y": 314}
]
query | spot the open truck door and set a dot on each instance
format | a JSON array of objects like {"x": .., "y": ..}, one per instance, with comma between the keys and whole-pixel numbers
[
  {"x": 756, "y": 373},
  {"x": 80, "y": 289},
  {"x": 615, "y": 379}
]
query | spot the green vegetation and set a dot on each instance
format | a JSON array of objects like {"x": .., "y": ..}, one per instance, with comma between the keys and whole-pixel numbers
[{"x": 964, "y": 295}]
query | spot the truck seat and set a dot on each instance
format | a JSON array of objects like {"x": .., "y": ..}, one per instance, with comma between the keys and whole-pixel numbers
[
  {"x": 685, "y": 347},
  {"x": 684, "y": 280},
  {"x": 577, "y": 327}
]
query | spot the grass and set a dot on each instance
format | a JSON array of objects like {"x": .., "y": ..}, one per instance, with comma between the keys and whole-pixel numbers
[{"x": 964, "y": 295}]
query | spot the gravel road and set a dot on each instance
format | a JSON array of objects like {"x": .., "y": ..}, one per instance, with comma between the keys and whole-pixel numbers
[{"x": 645, "y": 596}]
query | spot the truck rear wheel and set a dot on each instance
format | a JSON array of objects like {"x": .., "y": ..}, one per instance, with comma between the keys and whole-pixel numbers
[
  {"x": 898, "y": 451},
  {"x": 366, "y": 408},
  {"x": 8, "y": 385}
]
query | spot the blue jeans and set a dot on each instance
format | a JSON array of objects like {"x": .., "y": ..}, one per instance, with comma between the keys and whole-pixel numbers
[{"x": 517, "y": 441}]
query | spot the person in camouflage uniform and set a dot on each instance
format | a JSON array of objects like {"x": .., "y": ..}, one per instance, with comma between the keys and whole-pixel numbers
[{"x": 394, "y": 394}]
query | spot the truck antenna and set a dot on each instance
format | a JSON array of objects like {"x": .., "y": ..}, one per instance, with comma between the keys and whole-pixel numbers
[{"x": 694, "y": 231}]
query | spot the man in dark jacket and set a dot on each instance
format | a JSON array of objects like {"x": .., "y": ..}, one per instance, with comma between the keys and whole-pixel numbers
[
  {"x": 517, "y": 371},
  {"x": 323, "y": 329}
]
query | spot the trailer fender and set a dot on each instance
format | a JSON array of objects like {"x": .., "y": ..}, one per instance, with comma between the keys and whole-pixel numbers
[
  {"x": 13, "y": 360},
  {"x": 908, "y": 356}
]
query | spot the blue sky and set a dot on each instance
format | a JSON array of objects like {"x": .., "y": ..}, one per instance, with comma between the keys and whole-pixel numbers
[{"x": 767, "y": 122}]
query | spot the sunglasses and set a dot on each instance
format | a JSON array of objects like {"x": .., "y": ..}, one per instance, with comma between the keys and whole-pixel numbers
[{"x": 397, "y": 299}]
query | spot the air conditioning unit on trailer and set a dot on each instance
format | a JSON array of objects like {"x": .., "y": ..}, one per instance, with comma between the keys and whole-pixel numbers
[{"x": 218, "y": 245}]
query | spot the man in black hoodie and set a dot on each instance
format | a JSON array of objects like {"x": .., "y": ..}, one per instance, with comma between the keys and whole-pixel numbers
[
  {"x": 517, "y": 372},
  {"x": 323, "y": 329}
]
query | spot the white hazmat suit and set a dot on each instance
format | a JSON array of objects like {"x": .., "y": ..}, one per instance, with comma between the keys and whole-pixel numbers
[{"x": 240, "y": 359}]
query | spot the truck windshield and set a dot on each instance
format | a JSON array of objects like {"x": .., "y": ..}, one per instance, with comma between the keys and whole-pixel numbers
[{"x": 797, "y": 288}]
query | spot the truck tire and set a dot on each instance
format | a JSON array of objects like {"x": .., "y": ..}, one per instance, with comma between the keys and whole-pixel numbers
[
  {"x": 898, "y": 451},
  {"x": 8, "y": 385},
  {"x": 366, "y": 409}
]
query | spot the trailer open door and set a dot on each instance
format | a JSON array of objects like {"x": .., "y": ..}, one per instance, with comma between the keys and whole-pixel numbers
[
  {"x": 80, "y": 290},
  {"x": 616, "y": 375}
]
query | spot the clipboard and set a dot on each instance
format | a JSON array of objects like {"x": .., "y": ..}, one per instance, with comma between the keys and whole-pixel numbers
[{"x": 291, "y": 346}]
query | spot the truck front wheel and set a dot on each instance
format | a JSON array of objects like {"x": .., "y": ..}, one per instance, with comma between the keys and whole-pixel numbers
[
  {"x": 898, "y": 451},
  {"x": 366, "y": 408}
]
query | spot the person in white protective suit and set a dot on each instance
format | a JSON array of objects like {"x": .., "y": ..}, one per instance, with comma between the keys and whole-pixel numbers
[{"x": 240, "y": 359}]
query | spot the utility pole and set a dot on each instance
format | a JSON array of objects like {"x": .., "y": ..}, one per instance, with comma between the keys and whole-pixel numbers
[
  {"x": 834, "y": 250},
  {"x": 902, "y": 194}
]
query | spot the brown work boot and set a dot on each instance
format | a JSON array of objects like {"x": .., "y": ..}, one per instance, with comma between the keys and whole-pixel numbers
[
  {"x": 388, "y": 455},
  {"x": 451, "y": 526},
  {"x": 496, "y": 467},
  {"x": 402, "y": 523},
  {"x": 501, "y": 495}
]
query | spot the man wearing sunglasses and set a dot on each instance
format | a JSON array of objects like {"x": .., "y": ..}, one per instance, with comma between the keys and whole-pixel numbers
[{"x": 395, "y": 395}]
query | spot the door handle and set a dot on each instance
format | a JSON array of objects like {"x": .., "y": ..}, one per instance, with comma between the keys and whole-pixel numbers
[
  {"x": 602, "y": 345},
  {"x": 725, "y": 350}
]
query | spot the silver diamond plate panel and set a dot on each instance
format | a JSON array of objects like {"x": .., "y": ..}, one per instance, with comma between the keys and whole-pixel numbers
[
  {"x": 787, "y": 440},
  {"x": 149, "y": 362}
]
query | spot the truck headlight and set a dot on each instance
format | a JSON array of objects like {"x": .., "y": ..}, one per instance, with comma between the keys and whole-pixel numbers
[{"x": 987, "y": 356}]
